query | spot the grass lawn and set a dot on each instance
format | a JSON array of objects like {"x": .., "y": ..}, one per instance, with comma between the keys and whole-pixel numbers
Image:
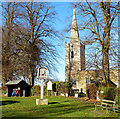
[{"x": 58, "y": 107}]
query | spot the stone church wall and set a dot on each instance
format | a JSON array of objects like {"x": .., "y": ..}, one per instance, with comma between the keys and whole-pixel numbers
[
  {"x": 75, "y": 62},
  {"x": 114, "y": 76},
  {"x": 87, "y": 75},
  {"x": 84, "y": 79}
]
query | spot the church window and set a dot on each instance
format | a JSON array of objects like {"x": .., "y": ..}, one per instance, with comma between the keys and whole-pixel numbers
[{"x": 72, "y": 54}]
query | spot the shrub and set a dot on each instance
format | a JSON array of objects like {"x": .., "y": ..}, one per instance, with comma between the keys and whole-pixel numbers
[
  {"x": 109, "y": 93},
  {"x": 32, "y": 91},
  {"x": 4, "y": 89},
  {"x": 63, "y": 87},
  {"x": 117, "y": 97},
  {"x": 81, "y": 95},
  {"x": 91, "y": 91},
  {"x": 72, "y": 93},
  {"x": 37, "y": 89}
]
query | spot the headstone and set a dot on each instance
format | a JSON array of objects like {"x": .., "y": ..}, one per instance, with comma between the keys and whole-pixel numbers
[
  {"x": 76, "y": 95},
  {"x": 66, "y": 94},
  {"x": 102, "y": 92},
  {"x": 49, "y": 85},
  {"x": 62, "y": 94},
  {"x": 98, "y": 96}
]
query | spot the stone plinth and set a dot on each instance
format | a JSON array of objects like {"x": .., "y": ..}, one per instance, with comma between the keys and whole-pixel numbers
[{"x": 41, "y": 101}]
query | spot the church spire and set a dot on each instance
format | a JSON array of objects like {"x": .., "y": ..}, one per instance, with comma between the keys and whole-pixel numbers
[
  {"x": 74, "y": 22},
  {"x": 74, "y": 28},
  {"x": 65, "y": 40}
]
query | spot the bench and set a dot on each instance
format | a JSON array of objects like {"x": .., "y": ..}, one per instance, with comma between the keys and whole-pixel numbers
[{"x": 108, "y": 104}]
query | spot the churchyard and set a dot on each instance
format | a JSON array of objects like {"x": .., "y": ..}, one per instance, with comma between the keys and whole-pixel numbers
[
  {"x": 60, "y": 104},
  {"x": 31, "y": 50},
  {"x": 57, "y": 107}
]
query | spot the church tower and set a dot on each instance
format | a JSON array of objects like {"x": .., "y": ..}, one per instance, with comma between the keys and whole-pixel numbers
[{"x": 74, "y": 53}]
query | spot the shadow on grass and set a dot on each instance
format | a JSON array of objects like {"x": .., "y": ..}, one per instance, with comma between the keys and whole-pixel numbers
[
  {"x": 117, "y": 110},
  {"x": 61, "y": 109},
  {"x": 53, "y": 103},
  {"x": 8, "y": 102},
  {"x": 67, "y": 101}
]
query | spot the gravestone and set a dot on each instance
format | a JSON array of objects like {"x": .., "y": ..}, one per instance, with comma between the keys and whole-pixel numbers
[
  {"x": 49, "y": 87},
  {"x": 97, "y": 95},
  {"x": 76, "y": 95},
  {"x": 66, "y": 95},
  {"x": 62, "y": 94}
]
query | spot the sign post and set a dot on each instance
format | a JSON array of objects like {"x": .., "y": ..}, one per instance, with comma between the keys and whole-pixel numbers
[
  {"x": 42, "y": 74},
  {"x": 42, "y": 91}
]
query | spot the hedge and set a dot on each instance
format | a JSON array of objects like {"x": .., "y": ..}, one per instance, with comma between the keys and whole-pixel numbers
[
  {"x": 109, "y": 93},
  {"x": 63, "y": 87}
]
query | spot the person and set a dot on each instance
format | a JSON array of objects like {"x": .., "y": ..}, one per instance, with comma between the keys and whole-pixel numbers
[
  {"x": 17, "y": 92},
  {"x": 13, "y": 93}
]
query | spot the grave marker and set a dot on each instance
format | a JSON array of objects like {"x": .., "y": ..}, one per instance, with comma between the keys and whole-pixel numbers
[{"x": 49, "y": 87}]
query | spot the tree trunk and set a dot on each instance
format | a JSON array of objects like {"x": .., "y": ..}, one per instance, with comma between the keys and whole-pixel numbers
[{"x": 105, "y": 47}]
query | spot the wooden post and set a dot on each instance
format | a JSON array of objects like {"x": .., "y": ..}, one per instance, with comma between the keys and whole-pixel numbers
[
  {"x": 47, "y": 92},
  {"x": 42, "y": 89}
]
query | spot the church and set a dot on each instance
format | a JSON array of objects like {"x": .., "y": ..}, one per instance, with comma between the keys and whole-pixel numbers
[{"x": 75, "y": 71}]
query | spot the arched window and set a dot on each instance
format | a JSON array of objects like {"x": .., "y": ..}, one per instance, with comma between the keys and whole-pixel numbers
[{"x": 72, "y": 54}]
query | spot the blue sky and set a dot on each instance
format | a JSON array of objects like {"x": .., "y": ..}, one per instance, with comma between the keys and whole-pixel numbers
[
  {"x": 63, "y": 13},
  {"x": 64, "y": 18}
]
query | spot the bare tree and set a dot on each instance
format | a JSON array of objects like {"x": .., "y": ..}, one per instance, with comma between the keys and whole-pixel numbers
[
  {"x": 27, "y": 42},
  {"x": 34, "y": 32},
  {"x": 99, "y": 25},
  {"x": 9, "y": 51}
]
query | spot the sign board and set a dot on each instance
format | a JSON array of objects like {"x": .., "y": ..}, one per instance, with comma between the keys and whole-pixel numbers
[
  {"x": 42, "y": 73},
  {"x": 49, "y": 85}
]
